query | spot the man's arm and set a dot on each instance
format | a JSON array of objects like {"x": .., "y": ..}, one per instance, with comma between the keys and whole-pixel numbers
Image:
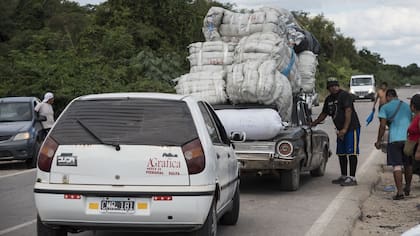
[
  {"x": 347, "y": 120},
  {"x": 381, "y": 132},
  {"x": 320, "y": 118}
]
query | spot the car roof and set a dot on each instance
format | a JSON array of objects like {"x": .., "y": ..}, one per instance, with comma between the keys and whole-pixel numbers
[
  {"x": 166, "y": 96},
  {"x": 18, "y": 99}
]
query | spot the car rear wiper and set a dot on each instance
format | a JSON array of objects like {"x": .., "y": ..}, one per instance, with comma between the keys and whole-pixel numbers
[{"x": 116, "y": 145}]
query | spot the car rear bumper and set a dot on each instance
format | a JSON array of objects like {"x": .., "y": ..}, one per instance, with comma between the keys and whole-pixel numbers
[
  {"x": 187, "y": 210},
  {"x": 255, "y": 162},
  {"x": 16, "y": 150}
]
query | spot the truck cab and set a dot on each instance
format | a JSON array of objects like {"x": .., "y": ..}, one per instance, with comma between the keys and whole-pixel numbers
[{"x": 362, "y": 87}]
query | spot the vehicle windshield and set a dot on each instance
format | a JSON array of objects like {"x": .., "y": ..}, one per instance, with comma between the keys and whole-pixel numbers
[
  {"x": 134, "y": 121},
  {"x": 15, "y": 111},
  {"x": 361, "y": 81}
]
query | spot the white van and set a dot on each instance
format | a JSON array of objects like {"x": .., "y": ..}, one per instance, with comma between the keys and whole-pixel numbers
[
  {"x": 137, "y": 161},
  {"x": 362, "y": 87}
]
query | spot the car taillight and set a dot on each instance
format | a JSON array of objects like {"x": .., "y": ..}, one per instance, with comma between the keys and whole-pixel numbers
[
  {"x": 46, "y": 154},
  {"x": 194, "y": 155},
  {"x": 285, "y": 148}
]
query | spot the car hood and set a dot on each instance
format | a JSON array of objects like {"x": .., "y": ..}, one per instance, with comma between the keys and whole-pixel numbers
[
  {"x": 362, "y": 88},
  {"x": 14, "y": 127}
]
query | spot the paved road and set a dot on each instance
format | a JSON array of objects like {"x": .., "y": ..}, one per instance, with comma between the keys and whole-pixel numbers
[{"x": 265, "y": 210}]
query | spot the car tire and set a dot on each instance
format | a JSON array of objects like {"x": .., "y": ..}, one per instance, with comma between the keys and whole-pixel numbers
[
  {"x": 209, "y": 227},
  {"x": 231, "y": 217},
  {"x": 31, "y": 163},
  {"x": 320, "y": 170},
  {"x": 43, "y": 230},
  {"x": 290, "y": 179}
]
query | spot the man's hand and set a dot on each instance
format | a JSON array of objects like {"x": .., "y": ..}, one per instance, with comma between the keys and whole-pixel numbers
[
  {"x": 341, "y": 133},
  {"x": 378, "y": 145}
]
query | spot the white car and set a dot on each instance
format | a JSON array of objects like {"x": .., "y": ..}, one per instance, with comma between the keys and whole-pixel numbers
[{"x": 138, "y": 161}]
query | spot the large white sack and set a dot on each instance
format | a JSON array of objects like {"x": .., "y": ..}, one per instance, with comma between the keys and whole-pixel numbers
[
  {"x": 205, "y": 85},
  {"x": 307, "y": 70},
  {"x": 270, "y": 46},
  {"x": 211, "y": 58},
  {"x": 233, "y": 26},
  {"x": 260, "y": 82},
  {"x": 215, "y": 46},
  {"x": 258, "y": 124},
  {"x": 211, "y": 23}
]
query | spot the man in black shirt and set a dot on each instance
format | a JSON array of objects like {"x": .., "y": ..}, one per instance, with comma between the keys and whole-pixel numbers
[{"x": 339, "y": 105}]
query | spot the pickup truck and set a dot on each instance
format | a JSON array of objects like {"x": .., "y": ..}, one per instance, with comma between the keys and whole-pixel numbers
[{"x": 295, "y": 149}]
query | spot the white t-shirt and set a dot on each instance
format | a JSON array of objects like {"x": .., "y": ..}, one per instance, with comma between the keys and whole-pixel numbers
[{"x": 45, "y": 109}]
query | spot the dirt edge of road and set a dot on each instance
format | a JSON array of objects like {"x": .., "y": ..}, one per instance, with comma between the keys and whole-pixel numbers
[{"x": 380, "y": 215}]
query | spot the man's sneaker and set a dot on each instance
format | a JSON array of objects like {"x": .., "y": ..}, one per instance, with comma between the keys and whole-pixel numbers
[
  {"x": 339, "y": 180},
  {"x": 349, "y": 181}
]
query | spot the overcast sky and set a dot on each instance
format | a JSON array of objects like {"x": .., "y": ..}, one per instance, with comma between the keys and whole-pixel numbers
[{"x": 388, "y": 27}]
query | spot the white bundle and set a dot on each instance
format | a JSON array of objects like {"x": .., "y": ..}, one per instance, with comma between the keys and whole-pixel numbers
[
  {"x": 211, "y": 58},
  {"x": 212, "y": 21},
  {"x": 211, "y": 53},
  {"x": 216, "y": 46},
  {"x": 258, "y": 124},
  {"x": 260, "y": 82},
  {"x": 205, "y": 85},
  {"x": 307, "y": 69},
  {"x": 221, "y": 24},
  {"x": 270, "y": 46}
]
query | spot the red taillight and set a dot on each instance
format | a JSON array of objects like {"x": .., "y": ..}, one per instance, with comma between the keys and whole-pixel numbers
[
  {"x": 194, "y": 155},
  {"x": 285, "y": 148},
  {"x": 162, "y": 198},
  {"x": 72, "y": 196},
  {"x": 46, "y": 154}
]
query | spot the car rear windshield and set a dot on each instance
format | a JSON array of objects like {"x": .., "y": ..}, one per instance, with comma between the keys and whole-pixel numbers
[
  {"x": 130, "y": 121},
  {"x": 15, "y": 111}
]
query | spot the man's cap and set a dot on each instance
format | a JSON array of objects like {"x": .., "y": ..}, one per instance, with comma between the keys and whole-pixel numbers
[
  {"x": 48, "y": 96},
  {"x": 331, "y": 81}
]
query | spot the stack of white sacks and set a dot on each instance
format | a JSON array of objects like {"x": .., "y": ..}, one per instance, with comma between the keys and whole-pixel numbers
[{"x": 247, "y": 59}]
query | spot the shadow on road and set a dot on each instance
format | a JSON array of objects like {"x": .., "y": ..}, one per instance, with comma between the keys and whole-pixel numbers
[{"x": 267, "y": 184}]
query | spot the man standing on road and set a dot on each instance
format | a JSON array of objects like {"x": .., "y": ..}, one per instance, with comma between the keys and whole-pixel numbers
[
  {"x": 339, "y": 105},
  {"x": 45, "y": 109},
  {"x": 398, "y": 116}
]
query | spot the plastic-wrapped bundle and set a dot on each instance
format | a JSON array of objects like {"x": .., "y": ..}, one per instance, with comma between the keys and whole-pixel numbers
[
  {"x": 221, "y": 24},
  {"x": 307, "y": 69},
  {"x": 270, "y": 46},
  {"x": 260, "y": 82},
  {"x": 258, "y": 124},
  {"x": 211, "y": 53},
  {"x": 212, "y": 21},
  {"x": 206, "y": 85}
]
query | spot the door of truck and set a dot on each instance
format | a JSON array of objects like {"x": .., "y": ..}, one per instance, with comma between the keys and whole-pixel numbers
[{"x": 304, "y": 121}]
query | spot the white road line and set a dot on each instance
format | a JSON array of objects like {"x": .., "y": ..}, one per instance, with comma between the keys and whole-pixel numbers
[
  {"x": 17, "y": 227},
  {"x": 18, "y": 173},
  {"x": 318, "y": 227}
]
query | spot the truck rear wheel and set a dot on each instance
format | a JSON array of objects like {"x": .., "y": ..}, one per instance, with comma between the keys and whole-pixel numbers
[{"x": 290, "y": 179}]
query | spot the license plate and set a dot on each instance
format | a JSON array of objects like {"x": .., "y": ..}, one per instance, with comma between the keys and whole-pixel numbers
[{"x": 117, "y": 205}]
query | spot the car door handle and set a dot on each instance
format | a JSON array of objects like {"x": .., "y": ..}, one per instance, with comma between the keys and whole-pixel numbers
[
  {"x": 228, "y": 155},
  {"x": 217, "y": 155}
]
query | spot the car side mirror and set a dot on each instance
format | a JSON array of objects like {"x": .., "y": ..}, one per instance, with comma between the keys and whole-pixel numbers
[
  {"x": 237, "y": 136},
  {"x": 41, "y": 118}
]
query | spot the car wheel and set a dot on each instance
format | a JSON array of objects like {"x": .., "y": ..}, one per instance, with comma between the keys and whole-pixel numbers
[
  {"x": 209, "y": 227},
  {"x": 43, "y": 230},
  {"x": 320, "y": 171},
  {"x": 290, "y": 179},
  {"x": 231, "y": 217},
  {"x": 31, "y": 163}
]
